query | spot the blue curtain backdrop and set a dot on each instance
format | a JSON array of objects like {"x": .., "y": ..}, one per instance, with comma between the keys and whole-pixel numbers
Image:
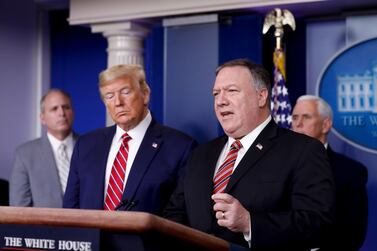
[
  {"x": 154, "y": 69},
  {"x": 77, "y": 57}
]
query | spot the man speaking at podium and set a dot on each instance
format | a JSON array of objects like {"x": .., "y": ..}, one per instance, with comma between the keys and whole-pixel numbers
[
  {"x": 133, "y": 165},
  {"x": 259, "y": 186}
]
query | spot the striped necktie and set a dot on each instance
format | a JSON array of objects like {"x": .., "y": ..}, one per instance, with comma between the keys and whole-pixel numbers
[
  {"x": 114, "y": 191},
  {"x": 226, "y": 169},
  {"x": 63, "y": 165}
]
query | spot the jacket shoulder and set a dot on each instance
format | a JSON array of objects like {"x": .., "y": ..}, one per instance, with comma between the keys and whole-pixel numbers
[{"x": 29, "y": 145}]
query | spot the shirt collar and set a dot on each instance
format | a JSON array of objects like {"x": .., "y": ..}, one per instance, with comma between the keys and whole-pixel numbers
[
  {"x": 55, "y": 143},
  {"x": 137, "y": 132},
  {"x": 249, "y": 138}
]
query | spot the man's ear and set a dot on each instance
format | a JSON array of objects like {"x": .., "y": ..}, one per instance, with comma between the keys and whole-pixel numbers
[
  {"x": 326, "y": 125},
  {"x": 42, "y": 118},
  {"x": 147, "y": 94},
  {"x": 262, "y": 97}
]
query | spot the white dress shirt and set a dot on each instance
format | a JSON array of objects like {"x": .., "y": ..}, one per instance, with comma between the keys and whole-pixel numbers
[
  {"x": 246, "y": 142},
  {"x": 55, "y": 143},
  {"x": 137, "y": 135}
]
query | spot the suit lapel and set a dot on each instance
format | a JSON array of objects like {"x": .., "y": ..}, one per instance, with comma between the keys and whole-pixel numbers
[
  {"x": 207, "y": 172},
  {"x": 51, "y": 170},
  {"x": 209, "y": 163},
  {"x": 257, "y": 150},
  {"x": 102, "y": 149},
  {"x": 149, "y": 147}
]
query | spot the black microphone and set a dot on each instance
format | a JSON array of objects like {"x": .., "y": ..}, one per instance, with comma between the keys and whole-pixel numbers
[
  {"x": 131, "y": 205},
  {"x": 121, "y": 204}
]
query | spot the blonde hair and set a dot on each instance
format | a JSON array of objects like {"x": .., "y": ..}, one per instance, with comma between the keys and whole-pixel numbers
[{"x": 133, "y": 71}]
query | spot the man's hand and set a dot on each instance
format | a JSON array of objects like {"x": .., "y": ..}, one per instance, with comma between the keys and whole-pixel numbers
[{"x": 230, "y": 213}]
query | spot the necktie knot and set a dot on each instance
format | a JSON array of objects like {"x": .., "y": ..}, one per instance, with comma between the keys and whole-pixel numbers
[
  {"x": 126, "y": 138},
  {"x": 62, "y": 147},
  {"x": 62, "y": 150},
  {"x": 236, "y": 145}
]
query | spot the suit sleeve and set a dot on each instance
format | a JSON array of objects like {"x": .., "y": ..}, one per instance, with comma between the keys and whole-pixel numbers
[
  {"x": 175, "y": 210},
  {"x": 311, "y": 207},
  {"x": 19, "y": 185},
  {"x": 72, "y": 193}
]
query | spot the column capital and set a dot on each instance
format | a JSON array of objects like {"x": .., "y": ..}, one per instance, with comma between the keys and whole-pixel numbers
[
  {"x": 125, "y": 44},
  {"x": 121, "y": 28}
]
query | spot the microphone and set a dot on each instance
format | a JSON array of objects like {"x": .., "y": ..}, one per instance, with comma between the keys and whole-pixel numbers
[
  {"x": 121, "y": 204},
  {"x": 131, "y": 205}
]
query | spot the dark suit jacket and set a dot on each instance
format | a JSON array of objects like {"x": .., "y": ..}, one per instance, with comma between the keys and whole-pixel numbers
[
  {"x": 287, "y": 187},
  {"x": 4, "y": 193},
  {"x": 351, "y": 214},
  {"x": 153, "y": 176}
]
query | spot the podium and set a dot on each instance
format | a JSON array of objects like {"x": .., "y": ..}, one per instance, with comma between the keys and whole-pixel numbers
[{"x": 63, "y": 229}]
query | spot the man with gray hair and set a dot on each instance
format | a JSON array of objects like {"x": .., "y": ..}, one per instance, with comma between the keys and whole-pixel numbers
[
  {"x": 40, "y": 169},
  {"x": 313, "y": 116}
]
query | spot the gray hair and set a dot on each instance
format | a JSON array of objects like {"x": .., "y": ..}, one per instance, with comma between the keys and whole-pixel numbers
[
  {"x": 54, "y": 90},
  {"x": 323, "y": 108}
]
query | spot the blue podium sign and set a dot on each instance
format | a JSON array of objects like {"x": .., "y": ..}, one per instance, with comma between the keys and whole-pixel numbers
[
  {"x": 27, "y": 237},
  {"x": 349, "y": 85}
]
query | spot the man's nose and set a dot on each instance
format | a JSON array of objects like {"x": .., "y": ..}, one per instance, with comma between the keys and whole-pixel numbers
[
  {"x": 297, "y": 122},
  {"x": 221, "y": 99},
  {"x": 61, "y": 111},
  {"x": 117, "y": 99}
]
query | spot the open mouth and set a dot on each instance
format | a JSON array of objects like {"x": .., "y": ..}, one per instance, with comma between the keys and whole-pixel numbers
[{"x": 226, "y": 114}]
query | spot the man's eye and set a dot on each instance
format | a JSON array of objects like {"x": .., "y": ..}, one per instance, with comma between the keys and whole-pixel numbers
[
  {"x": 109, "y": 95},
  {"x": 125, "y": 92}
]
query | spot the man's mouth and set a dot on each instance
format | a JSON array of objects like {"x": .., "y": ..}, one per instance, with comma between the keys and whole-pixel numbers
[
  {"x": 122, "y": 113},
  {"x": 62, "y": 122},
  {"x": 226, "y": 114}
]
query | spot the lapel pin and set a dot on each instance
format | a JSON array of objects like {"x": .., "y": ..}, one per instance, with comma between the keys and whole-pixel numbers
[
  {"x": 154, "y": 145},
  {"x": 259, "y": 146}
]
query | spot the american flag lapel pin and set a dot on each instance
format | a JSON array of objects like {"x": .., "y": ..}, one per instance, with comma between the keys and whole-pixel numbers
[
  {"x": 259, "y": 146},
  {"x": 154, "y": 145}
]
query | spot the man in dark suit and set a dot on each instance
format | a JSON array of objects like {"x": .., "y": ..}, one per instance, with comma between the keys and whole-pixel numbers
[
  {"x": 313, "y": 116},
  {"x": 133, "y": 165},
  {"x": 259, "y": 186},
  {"x": 40, "y": 168}
]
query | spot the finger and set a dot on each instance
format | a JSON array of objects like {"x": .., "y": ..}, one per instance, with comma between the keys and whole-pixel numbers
[
  {"x": 222, "y": 222},
  {"x": 220, "y": 215},
  {"x": 220, "y": 206},
  {"x": 227, "y": 198}
]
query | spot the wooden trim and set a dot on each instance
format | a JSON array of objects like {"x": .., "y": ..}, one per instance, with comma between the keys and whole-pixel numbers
[{"x": 130, "y": 222}]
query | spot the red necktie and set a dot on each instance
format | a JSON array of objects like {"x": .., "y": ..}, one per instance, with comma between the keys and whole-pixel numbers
[
  {"x": 226, "y": 169},
  {"x": 118, "y": 172}
]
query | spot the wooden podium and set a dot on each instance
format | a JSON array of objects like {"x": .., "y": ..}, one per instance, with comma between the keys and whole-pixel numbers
[{"x": 117, "y": 230}]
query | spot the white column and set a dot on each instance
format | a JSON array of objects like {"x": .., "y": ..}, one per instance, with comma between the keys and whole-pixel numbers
[{"x": 125, "y": 45}]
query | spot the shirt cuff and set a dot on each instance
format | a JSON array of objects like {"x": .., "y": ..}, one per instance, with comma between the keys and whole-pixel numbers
[{"x": 247, "y": 235}]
